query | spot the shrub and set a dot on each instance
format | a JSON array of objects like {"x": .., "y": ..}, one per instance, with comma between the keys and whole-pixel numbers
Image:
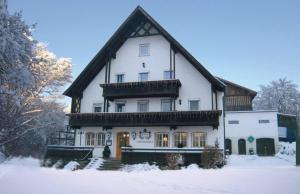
[
  {"x": 212, "y": 157},
  {"x": 173, "y": 161},
  {"x": 106, "y": 152}
]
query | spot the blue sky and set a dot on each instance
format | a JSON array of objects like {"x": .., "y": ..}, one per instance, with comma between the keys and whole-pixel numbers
[{"x": 247, "y": 42}]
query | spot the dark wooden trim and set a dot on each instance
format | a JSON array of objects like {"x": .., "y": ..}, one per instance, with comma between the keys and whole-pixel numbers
[
  {"x": 170, "y": 59},
  {"x": 216, "y": 97},
  {"x": 212, "y": 98},
  {"x": 174, "y": 118},
  {"x": 109, "y": 66},
  {"x": 158, "y": 88},
  {"x": 174, "y": 66}
]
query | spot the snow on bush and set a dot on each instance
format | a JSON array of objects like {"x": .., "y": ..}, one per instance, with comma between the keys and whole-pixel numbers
[
  {"x": 139, "y": 167},
  {"x": 287, "y": 151},
  {"x": 191, "y": 167},
  {"x": 2, "y": 157},
  {"x": 19, "y": 161},
  {"x": 72, "y": 165}
]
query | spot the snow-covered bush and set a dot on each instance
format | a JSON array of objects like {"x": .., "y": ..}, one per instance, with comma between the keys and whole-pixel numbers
[
  {"x": 72, "y": 165},
  {"x": 287, "y": 148},
  {"x": 212, "y": 158},
  {"x": 173, "y": 160}
]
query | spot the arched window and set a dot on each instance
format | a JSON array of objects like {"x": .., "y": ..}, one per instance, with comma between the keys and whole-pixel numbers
[
  {"x": 90, "y": 139},
  {"x": 100, "y": 139}
]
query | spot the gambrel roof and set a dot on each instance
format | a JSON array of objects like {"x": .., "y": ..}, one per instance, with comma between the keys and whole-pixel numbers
[{"x": 139, "y": 23}]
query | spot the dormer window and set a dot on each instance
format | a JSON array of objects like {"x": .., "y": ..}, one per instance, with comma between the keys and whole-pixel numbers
[{"x": 144, "y": 50}]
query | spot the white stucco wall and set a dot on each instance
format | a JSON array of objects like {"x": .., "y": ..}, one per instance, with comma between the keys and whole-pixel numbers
[{"x": 249, "y": 126}]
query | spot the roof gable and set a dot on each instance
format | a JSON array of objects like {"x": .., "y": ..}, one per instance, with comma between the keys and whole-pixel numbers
[{"x": 139, "y": 23}]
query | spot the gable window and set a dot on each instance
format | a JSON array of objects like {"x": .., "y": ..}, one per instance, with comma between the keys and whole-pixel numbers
[
  {"x": 143, "y": 76},
  {"x": 180, "y": 139},
  {"x": 97, "y": 107},
  {"x": 199, "y": 139},
  {"x": 233, "y": 122},
  {"x": 161, "y": 140},
  {"x": 144, "y": 50},
  {"x": 100, "y": 139},
  {"x": 168, "y": 74},
  {"x": 143, "y": 106},
  {"x": 120, "y": 106},
  {"x": 166, "y": 105},
  {"x": 194, "y": 105},
  {"x": 120, "y": 78},
  {"x": 89, "y": 139},
  {"x": 263, "y": 121}
]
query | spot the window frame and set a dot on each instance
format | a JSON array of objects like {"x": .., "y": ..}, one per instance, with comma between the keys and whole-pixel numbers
[
  {"x": 139, "y": 102},
  {"x": 148, "y": 50},
  {"x": 264, "y": 121},
  {"x": 189, "y": 104},
  {"x": 162, "y": 144},
  {"x": 102, "y": 139},
  {"x": 120, "y": 74},
  {"x": 164, "y": 100},
  {"x": 205, "y": 139},
  {"x": 120, "y": 102},
  {"x": 233, "y": 122},
  {"x": 88, "y": 140},
  {"x": 140, "y": 77},
  {"x": 171, "y": 74},
  {"x": 174, "y": 139},
  {"x": 97, "y": 105}
]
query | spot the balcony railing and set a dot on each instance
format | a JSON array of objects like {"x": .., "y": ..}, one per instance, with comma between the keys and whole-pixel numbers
[
  {"x": 175, "y": 118},
  {"x": 160, "y": 88}
]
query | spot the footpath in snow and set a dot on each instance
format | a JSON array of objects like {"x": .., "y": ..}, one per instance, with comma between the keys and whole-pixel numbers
[{"x": 242, "y": 175}]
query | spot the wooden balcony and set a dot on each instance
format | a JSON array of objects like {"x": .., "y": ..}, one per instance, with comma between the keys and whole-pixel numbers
[
  {"x": 238, "y": 103},
  {"x": 160, "y": 88},
  {"x": 172, "y": 119}
]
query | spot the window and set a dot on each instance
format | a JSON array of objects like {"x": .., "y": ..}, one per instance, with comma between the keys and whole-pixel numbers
[
  {"x": 100, "y": 139},
  {"x": 168, "y": 74},
  {"x": 233, "y": 122},
  {"x": 143, "y": 76},
  {"x": 162, "y": 140},
  {"x": 194, "y": 105},
  {"x": 120, "y": 107},
  {"x": 263, "y": 121},
  {"x": 180, "y": 139},
  {"x": 97, "y": 107},
  {"x": 166, "y": 105},
  {"x": 144, "y": 50},
  {"x": 143, "y": 106},
  {"x": 199, "y": 139},
  {"x": 120, "y": 78},
  {"x": 90, "y": 139}
]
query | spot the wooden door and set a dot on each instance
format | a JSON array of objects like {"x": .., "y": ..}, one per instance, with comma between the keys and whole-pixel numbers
[
  {"x": 122, "y": 141},
  {"x": 242, "y": 146},
  {"x": 265, "y": 147}
]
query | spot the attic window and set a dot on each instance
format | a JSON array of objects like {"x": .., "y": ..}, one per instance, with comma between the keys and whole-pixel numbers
[{"x": 144, "y": 50}]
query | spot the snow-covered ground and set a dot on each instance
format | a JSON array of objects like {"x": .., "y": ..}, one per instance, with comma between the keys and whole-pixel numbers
[{"x": 243, "y": 174}]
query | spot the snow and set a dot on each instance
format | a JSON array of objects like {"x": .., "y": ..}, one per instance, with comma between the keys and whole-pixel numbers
[
  {"x": 2, "y": 157},
  {"x": 72, "y": 165},
  {"x": 243, "y": 174},
  {"x": 94, "y": 164},
  {"x": 287, "y": 151},
  {"x": 139, "y": 167}
]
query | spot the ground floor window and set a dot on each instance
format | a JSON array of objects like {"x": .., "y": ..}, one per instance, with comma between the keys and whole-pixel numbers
[
  {"x": 100, "y": 139},
  {"x": 199, "y": 139},
  {"x": 162, "y": 140},
  {"x": 90, "y": 139},
  {"x": 180, "y": 139}
]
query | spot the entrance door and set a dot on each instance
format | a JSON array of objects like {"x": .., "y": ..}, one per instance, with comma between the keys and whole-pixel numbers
[
  {"x": 122, "y": 141},
  {"x": 242, "y": 146},
  {"x": 265, "y": 147},
  {"x": 228, "y": 146}
]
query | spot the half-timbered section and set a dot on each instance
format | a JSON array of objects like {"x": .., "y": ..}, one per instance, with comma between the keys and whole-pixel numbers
[{"x": 144, "y": 93}]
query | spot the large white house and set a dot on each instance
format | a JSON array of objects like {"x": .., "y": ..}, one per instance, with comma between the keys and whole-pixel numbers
[{"x": 145, "y": 93}]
